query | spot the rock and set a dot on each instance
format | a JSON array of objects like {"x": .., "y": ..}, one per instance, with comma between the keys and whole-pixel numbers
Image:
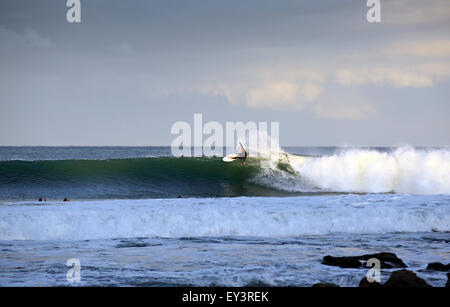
[
  {"x": 364, "y": 283},
  {"x": 387, "y": 261},
  {"x": 436, "y": 266},
  {"x": 448, "y": 280},
  {"x": 343, "y": 262},
  {"x": 324, "y": 285},
  {"x": 405, "y": 279}
]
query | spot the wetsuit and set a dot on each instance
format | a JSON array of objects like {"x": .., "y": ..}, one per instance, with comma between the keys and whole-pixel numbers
[{"x": 244, "y": 157}]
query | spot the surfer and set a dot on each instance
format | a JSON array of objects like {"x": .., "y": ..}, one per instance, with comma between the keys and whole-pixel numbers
[
  {"x": 244, "y": 154},
  {"x": 232, "y": 157}
]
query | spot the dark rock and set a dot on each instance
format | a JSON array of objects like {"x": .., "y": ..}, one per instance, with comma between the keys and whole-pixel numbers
[
  {"x": 405, "y": 279},
  {"x": 448, "y": 280},
  {"x": 324, "y": 285},
  {"x": 387, "y": 261},
  {"x": 436, "y": 266},
  {"x": 343, "y": 262},
  {"x": 364, "y": 283}
]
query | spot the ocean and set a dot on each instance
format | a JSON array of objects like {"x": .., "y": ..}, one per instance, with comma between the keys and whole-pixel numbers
[{"x": 138, "y": 216}]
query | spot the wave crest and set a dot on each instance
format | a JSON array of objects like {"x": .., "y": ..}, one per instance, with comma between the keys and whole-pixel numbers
[{"x": 404, "y": 170}]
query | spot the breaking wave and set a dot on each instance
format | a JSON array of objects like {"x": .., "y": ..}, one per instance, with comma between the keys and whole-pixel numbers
[
  {"x": 221, "y": 217},
  {"x": 403, "y": 170}
]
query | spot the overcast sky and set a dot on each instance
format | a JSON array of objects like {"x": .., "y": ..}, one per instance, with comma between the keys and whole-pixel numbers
[{"x": 131, "y": 69}]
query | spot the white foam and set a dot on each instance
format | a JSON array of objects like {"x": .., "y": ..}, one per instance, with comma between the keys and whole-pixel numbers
[
  {"x": 405, "y": 170},
  {"x": 264, "y": 217}
]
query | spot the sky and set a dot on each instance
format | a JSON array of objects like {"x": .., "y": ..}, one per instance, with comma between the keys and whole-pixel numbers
[{"x": 131, "y": 69}]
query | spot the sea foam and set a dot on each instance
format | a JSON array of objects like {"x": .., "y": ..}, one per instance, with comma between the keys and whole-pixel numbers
[
  {"x": 243, "y": 216},
  {"x": 403, "y": 170}
]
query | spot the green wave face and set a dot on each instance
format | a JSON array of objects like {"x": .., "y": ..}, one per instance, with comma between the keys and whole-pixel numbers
[{"x": 130, "y": 178}]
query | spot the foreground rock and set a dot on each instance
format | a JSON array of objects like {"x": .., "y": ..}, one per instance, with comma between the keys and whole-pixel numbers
[
  {"x": 436, "y": 266},
  {"x": 364, "y": 283},
  {"x": 398, "y": 279},
  {"x": 405, "y": 279},
  {"x": 387, "y": 261}
]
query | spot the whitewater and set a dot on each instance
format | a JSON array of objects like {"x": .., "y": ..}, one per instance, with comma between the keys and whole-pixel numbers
[
  {"x": 403, "y": 170},
  {"x": 217, "y": 217}
]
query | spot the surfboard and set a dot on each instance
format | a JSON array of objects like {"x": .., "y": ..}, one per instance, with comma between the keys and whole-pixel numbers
[{"x": 230, "y": 157}]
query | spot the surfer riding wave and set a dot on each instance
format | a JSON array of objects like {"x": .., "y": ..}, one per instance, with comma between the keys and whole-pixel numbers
[{"x": 243, "y": 154}]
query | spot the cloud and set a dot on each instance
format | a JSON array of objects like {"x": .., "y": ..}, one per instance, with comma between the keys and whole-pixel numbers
[
  {"x": 413, "y": 64},
  {"x": 406, "y": 12},
  {"x": 273, "y": 94},
  {"x": 281, "y": 95},
  {"x": 311, "y": 91},
  {"x": 426, "y": 48},
  {"x": 287, "y": 72},
  {"x": 344, "y": 109},
  {"x": 439, "y": 70},
  {"x": 266, "y": 86},
  {"x": 395, "y": 77}
]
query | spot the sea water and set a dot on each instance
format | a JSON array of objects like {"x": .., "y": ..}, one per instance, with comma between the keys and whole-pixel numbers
[{"x": 234, "y": 225}]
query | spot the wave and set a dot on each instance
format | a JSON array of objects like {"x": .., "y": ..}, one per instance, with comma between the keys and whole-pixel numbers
[
  {"x": 154, "y": 177},
  {"x": 218, "y": 217},
  {"x": 403, "y": 170}
]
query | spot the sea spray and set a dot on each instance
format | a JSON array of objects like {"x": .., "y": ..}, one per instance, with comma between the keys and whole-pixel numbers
[{"x": 404, "y": 170}]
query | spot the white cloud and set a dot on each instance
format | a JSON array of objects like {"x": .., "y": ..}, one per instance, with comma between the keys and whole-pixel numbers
[
  {"x": 439, "y": 70},
  {"x": 427, "y": 48},
  {"x": 282, "y": 95},
  {"x": 396, "y": 77},
  {"x": 288, "y": 72},
  {"x": 311, "y": 91},
  {"x": 355, "y": 109},
  {"x": 415, "y": 12},
  {"x": 273, "y": 94},
  {"x": 273, "y": 87},
  {"x": 402, "y": 64},
  {"x": 351, "y": 77}
]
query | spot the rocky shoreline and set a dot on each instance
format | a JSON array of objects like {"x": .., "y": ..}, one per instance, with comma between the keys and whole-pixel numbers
[{"x": 398, "y": 279}]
